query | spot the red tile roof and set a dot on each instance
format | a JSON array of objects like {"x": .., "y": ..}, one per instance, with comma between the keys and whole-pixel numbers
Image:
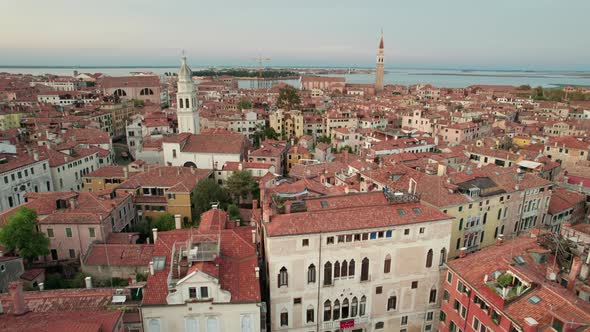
[
  {"x": 183, "y": 178},
  {"x": 120, "y": 254},
  {"x": 351, "y": 212},
  {"x": 79, "y": 321}
]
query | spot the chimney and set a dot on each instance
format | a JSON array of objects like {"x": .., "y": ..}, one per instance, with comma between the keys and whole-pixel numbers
[
  {"x": 462, "y": 252},
  {"x": 257, "y": 271},
  {"x": 240, "y": 166},
  {"x": 125, "y": 172},
  {"x": 266, "y": 212},
  {"x": 500, "y": 240},
  {"x": 88, "y": 282},
  {"x": 35, "y": 155},
  {"x": 177, "y": 221},
  {"x": 155, "y": 231},
  {"x": 41, "y": 286},
  {"x": 18, "y": 298},
  {"x": 254, "y": 236},
  {"x": 288, "y": 207},
  {"x": 152, "y": 268},
  {"x": 254, "y": 203},
  {"x": 73, "y": 203},
  {"x": 147, "y": 241},
  {"x": 237, "y": 222},
  {"x": 442, "y": 170},
  {"x": 530, "y": 325},
  {"x": 574, "y": 272}
]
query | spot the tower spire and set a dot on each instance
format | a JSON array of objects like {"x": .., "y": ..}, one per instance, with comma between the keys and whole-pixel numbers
[{"x": 379, "y": 67}]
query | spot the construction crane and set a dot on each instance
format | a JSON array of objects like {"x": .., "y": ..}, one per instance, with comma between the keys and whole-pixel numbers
[{"x": 260, "y": 60}]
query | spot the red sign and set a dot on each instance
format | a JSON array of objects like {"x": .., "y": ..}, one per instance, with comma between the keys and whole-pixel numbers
[{"x": 347, "y": 324}]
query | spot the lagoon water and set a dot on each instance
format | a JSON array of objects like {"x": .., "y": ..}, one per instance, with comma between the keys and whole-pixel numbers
[{"x": 450, "y": 78}]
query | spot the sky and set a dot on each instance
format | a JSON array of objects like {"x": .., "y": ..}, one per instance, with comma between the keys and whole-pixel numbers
[{"x": 499, "y": 34}]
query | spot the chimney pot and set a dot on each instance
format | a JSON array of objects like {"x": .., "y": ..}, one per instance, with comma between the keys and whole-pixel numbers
[
  {"x": 155, "y": 232},
  {"x": 177, "y": 221},
  {"x": 18, "y": 299},
  {"x": 462, "y": 252},
  {"x": 257, "y": 271},
  {"x": 530, "y": 325},
  {"x": 41, "y": 286},
  {"x": 88, "y": 282},
  {"x": 254, "y": 236},
  {"x": 152, "y": 268}
]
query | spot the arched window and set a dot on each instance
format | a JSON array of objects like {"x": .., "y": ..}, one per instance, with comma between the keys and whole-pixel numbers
[
  {"x": 461, "y": 224},
  {"x": 485, "y": 218},
  {"x": 502, "y": 230},
  {"x": 119, "y": 93},
  {"x": 146, "y": 92},
  {"x": 328, "y": 273},
  {"x": 180, "y": 103},
  {"x": 387, "y": 264},
  {"x": 392, "y": 303},
  {"x": 186, "y": 103},
  {"x": 337, "y": 269},
  {"x": 363, "y": 306},
  {"x": 336, "y": 310},
  {"x": 344, "y": 269},
  {"x": 365, "y": 269},
  {"x": 327, "y": 311},
  {"x": 351, "y": 268},
  {"x": 345, "y": 307},
  {"x": 311, "y": 274},
  {"x": 283, "y": 277},
  {"x": 499, "y": 213},
  {"x": 429, "y": 258},
  {"x": 432, "y": 296},
  {"x": 354, "y": 308},
  {"x": 443, "y": 256},
  {"x": 284, "y": 317}
]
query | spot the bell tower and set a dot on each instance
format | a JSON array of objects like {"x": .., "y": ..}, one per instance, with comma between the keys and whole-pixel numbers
[
  {"x": 186, "y": 101},
  {"x": 379, "y": 66}
]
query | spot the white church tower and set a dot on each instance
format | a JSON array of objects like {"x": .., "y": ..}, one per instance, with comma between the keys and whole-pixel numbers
[{"x": 186, "y": 101}]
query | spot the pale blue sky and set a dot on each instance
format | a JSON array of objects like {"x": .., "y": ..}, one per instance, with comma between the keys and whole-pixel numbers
[{"x": 511, "y": 34}]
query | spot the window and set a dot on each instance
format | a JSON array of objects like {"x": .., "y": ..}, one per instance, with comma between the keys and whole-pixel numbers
[
  {"x": 365, "y": 269},
  {"x": 475, "y": 324},
  {"x": 192, "y": 292},
  {"x": 429, "y": 258},
  {"x": 461, "y": 224},
  {"x": 330, "y": 240},
  {"x": 443, "y": 257},
  {"x": 407, "y": 231},
  {"x": 311, "y": 274},
  {"x": 387, "y": 264},
  {"x": 456, "y": 305},
  {"x": 345, "y": 309},
  {"x": 284, "y": 318},
  {"x": 336, "y": 310},
  {"x": 404, "y": 320},
  {"x": 391, "y": 303},
  {"x": 297, "y": 300},
  {"x": 50, "y": 232},
  {"x": 422, "y": 230},
  {"x": 446, "y": 296},
  {"x": 351, "y": 268},
  {"x": 337, "y": 269},
  {"x": 449, "y": 277},
  {"x": 427, "y": 327},
  {"x": 362, "y": 306},
  {"x": 432, "y": 296},
  {"x": 328, "y": 273},
  {"x": 72, "y": 253},
  {"x": 309, "y": 314},
  {"x": 354, "y": 307},
  {"x": 379, "y": 325},
  {"x": 414, "y": 284},
  {"x": 283, "y": 277},
  {"x": 429, "y": 315},
  {"x": 344, "y": 269},
  {"x": 443, "y": 316},
  {"x": 327, "y": 311},
  {"x": 378, "y": 289},
  {"x": 204, "y": 292},
  {"x": 305, "y": 243},
  {"x": 452, "y": 327},
  {"x": 68, "y": 232},
  {"x": 91, "y": 232}
]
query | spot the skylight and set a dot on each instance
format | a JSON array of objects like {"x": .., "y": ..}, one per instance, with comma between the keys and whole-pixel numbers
[
  {"x": 324, "y": 204},
  {"x": 534, "y": 299},
  {"x": 401, "y": 212},
  {"x": 417, "y": 210},
  {"x": 519, "y": 260}
]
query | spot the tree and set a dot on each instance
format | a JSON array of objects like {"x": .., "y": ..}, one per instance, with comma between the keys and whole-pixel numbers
[
  {"x": 234, "y": 211},
  {"x": 324, "y": 139},
  {"x": 240, "y": 184},
  {"x": 288, "y": 98},
  {"x": 262, "y": 133},
  {"x": 164, "y": 222},
  {"x": 244, "y": 104},
  {"x": 20, "y": 234},
  {"x": 206, "y": 192}
]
